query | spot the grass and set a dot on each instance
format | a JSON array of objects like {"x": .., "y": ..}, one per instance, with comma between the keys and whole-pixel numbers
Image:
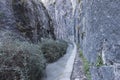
[{"x": 86, "y": 66}]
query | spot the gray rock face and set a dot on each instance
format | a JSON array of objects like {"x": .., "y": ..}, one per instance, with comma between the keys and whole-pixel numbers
[
  {"x": 61, "y": 12},
  {"x": 28, "y": 18},
  {"x": 100, "y": 34},
  {"x": 102, "y": 73}
]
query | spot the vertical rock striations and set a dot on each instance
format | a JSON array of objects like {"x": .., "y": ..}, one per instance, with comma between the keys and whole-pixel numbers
[
  {"x": 61, "y": 12},
  {"x": 29, "y": 18},
  {"x": 100, "y": 37}
]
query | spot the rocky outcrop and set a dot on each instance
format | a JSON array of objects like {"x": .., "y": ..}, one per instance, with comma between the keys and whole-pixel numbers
[{"x": 26, "y": 18}]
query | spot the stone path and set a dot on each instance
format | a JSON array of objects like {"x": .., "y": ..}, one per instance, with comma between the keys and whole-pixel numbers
[{"x": 78, "y": 73}]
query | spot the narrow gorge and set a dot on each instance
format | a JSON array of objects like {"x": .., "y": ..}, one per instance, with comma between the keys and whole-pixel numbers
[{"x": 36, "y": 33}]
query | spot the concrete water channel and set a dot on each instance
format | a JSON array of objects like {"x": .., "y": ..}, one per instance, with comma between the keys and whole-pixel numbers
[{"x": 62, "y": 69}]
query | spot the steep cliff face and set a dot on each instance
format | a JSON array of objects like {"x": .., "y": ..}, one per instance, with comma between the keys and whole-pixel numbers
[
  {"x": 66, "y": 17},
  {"x": 28, "y": 18},
  {"x": 61, "y": 12},
  {"x": 100, "y": 37}
]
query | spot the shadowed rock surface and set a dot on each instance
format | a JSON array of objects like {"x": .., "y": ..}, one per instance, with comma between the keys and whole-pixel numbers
[
  {"x": 61, "y": 11},
  {"x": 28, "y": 18},
  {"x": 24, "y": 20}
]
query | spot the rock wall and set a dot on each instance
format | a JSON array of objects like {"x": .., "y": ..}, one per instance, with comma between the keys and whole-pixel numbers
[
  {"x": 100, "y": 37},
  {"x": 26, "y": 18},
  {"x": 61, "y": 12}
]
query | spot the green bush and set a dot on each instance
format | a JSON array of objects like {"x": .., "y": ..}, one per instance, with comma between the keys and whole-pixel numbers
[
  {"x": 21, "y": 61},
  {"x": 99, "y": 62},
  {"x": 52, "y": 49}
]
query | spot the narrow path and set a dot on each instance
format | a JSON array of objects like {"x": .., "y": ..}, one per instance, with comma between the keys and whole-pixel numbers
[
  {"x": 57, "y": 70},
  {"x": 78, "y": 72},
  {"x": 67, "y": 66}
]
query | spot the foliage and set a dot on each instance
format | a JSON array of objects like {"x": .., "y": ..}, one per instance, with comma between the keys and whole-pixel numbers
[
  {"x": 52, "y": 49},
  {"x": 86, "y": 66},
  {"x": 99, "y": 62},
  {"x": 21, "y": 61}
]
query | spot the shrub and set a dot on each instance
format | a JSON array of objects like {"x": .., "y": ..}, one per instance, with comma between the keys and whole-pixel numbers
[
  {"x": 99, "y": 62},
  {"x": 21, "y": 61},
  {"x": 52, "y": 49}
]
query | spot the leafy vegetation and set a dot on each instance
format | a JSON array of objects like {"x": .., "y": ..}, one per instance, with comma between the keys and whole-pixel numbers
[
  {"x": 99, "y": 62},
  {"x": 86, "y": 66},
  {"x": 52, "y": 49},
  {"x": 21, "y": 61}
]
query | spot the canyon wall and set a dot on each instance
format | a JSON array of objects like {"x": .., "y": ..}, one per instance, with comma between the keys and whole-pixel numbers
[
  {"x": 93, "y": 24},
  {"x": 100, "y": 37},
  {"x": 61, "y": 11},
  {"x": 26, "y": 18}
]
